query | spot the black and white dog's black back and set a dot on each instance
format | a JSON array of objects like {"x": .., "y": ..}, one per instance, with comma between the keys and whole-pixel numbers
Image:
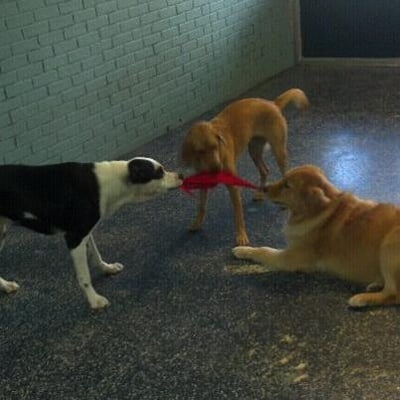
[{"x": 71, "y": 198}]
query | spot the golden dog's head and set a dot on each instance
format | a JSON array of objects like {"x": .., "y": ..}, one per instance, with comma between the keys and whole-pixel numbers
[
  {"x": 201, "y": 148},
  {"x": 304, "y": 190}
]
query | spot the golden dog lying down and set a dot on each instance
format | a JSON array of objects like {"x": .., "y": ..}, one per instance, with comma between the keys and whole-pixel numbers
[{"x": 333, "y": 231}]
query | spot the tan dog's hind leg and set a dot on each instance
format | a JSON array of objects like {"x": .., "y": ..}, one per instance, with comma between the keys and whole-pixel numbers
[
  {"x": 278, "y": 144},
  {"x": 281, "y": 159},
  {"x": 201, "y": 213},
  {"x": 256, "y": 150},
  {"x": 241, "y": 235},
  {"x": 390, "y": 269}
]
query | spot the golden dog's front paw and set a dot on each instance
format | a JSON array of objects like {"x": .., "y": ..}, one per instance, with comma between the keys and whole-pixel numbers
[
  {"x": 242, "y": 252},
  {"x": 359, "y": 300}
]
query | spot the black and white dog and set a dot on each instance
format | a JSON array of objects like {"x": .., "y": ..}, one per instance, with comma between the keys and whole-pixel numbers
[{"x": 71, "y": 198}]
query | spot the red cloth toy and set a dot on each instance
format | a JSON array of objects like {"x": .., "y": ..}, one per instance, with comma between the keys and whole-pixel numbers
[{"x": 206, "y": 180}]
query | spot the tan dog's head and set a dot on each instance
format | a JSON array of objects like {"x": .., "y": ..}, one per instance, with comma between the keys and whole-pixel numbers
[
  {"x": 304, "y": 190},
  {"x": 201, "y": 148}
]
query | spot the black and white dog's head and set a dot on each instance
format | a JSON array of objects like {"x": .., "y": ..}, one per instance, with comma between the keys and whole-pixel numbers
[
  {"x": 133, "y": 181},
  {"x": 150, "y": 177}
]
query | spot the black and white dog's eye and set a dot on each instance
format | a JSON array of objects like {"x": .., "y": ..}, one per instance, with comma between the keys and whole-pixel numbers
[
  {"x": 159, "y": 173},
  {"x": 143, "y": 170}
]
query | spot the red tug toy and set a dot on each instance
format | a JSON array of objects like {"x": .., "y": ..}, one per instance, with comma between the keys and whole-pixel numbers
[{"x": 206, "y": 180}]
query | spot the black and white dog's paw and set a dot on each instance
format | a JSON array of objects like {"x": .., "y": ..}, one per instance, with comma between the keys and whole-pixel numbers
[
  {"x": 8, "y": 286},
  {"x": 98, "y": 302},
  {"x": 111, "y": 269}
]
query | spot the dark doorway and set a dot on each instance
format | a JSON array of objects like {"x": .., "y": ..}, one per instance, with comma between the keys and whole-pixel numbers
[{"x": 350, "y": 28}]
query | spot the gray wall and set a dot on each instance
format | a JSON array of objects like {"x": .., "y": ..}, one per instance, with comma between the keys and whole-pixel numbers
[{"x": 92, "y": 79}]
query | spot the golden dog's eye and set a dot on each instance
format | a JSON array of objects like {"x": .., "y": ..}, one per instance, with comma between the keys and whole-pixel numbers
[{"x": 286, "y": 185}]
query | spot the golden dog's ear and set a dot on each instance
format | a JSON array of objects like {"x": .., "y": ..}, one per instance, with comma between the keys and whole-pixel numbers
[
  {"x": 316, "y": 199},
  {"x": 221, "y": 139}
]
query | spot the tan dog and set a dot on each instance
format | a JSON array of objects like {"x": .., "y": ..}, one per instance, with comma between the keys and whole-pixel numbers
[
  {"x": 333, "y": 231},
  {"x": 212, "y": 146}
]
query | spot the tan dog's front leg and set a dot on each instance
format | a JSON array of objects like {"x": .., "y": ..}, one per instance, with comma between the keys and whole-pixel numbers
[
  {"x": 201, "y": 213},
  {"x": 241, "y": 235}
]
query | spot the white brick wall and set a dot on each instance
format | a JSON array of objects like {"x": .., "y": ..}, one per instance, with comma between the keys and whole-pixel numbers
[{"x": 92, "y": 79}]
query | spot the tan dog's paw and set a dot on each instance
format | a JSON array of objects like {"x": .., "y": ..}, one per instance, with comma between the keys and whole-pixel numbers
[
  {"x": 259, "y": 196},
  {"x": 242, "y": 239},
  {"x": 242, "y": 252},
  {"x": 374, "y": 287},
  {"x": 195, "y": 225}
]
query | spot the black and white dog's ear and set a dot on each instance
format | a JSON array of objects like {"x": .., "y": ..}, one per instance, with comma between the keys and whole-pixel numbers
[{"x": 143, "y": 170}]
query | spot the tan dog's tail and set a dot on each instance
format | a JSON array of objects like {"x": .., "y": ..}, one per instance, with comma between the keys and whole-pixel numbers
[{"x": 297, "y": 96}]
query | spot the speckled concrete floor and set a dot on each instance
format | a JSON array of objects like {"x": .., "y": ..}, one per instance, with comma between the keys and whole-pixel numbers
[{"x": 177, "y": 327}]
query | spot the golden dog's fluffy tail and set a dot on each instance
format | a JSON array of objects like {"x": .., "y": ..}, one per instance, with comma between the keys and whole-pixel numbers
[{"x": 297, "y": 96}]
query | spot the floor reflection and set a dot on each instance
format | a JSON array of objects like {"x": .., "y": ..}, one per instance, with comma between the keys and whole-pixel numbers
[{"x": 347, "y": 158}]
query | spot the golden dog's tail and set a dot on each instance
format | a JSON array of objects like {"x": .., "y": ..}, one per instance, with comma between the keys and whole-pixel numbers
[{"x": 297, "y": 96}]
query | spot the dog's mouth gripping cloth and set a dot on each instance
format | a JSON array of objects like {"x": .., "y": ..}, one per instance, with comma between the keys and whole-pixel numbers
[{"x": 206, "y": 180}]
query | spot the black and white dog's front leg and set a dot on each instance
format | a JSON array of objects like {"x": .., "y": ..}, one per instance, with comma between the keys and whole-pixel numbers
[
  {"x": 79, "y": 258},
  {"x": 5, "y": 286},
  {"x": 97, "y": 261}
]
